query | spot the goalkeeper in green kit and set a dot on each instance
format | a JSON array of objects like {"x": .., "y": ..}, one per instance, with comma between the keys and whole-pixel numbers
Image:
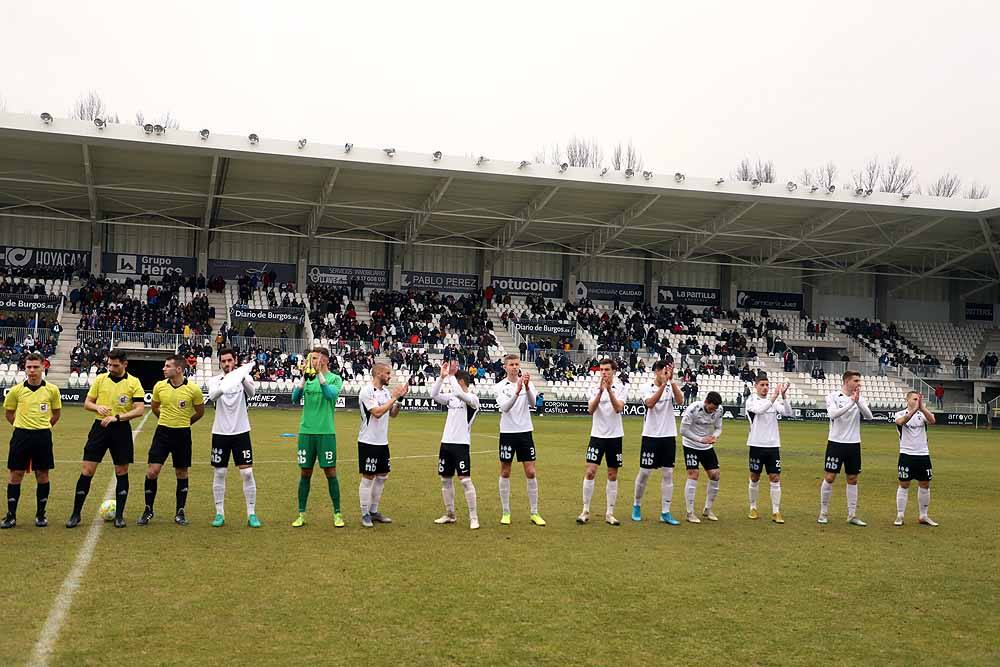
[{"x": 317, "y": 436}]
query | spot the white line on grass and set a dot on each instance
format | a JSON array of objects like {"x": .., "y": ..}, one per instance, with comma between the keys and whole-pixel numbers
[{"x": 64, "y": 599}]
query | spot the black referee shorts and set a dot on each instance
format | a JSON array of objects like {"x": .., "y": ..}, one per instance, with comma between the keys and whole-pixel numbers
[
  {"x": 31, "y": 449},
  {"x": 173, "y": 442},
  {"x": 116, "y": 437}
]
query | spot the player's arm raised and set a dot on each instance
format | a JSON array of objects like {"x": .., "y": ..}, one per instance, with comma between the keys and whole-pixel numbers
[
  {"x": 866, "y": 412},
  {"x": 595, "y": 400},
  {"x": 654, "y": 398},
  {"x": 403, "y": 390},
  {"x": 928, "y": 415},
  {"x": 436, "y": 394},
  {"x": 832, "y": 411},
  {"x": 678, "y": 396},
  {"x": 377, "y": 411},
  {"x": 529, "y": 388}
]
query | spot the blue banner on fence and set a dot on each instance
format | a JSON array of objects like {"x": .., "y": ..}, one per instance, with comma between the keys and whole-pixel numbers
[
  {"x": 770, "y": 300},
  {"x": 455, "y": 283},
  {"x": 549, "y": 288},
  {"x": 624, "y": 292},
  {"x": 44, "y": 258},
  {"x": 689, "y": 296},
  {"x": 130, "y": 265},
  {"x": 340, "y": 275},
  {"x": 234, "y": 269}
]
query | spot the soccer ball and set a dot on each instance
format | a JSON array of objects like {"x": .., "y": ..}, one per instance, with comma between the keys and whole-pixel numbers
[{"x": 107, "y": 510}]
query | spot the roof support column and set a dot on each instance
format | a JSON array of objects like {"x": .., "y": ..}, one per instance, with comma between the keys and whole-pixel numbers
[
  {"x": 881, "y": 297},
  {"x": 205, "y": 232},
  {"x": 956, "y": 304},
  {"x": 569, "y": 278},
  {"x": 96, "y": 232},
  {"x": 727, "y": 288},
  {"x": 651, "y": 282}
]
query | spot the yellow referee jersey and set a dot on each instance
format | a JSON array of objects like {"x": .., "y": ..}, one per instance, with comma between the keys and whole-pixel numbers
[
  {"x": 177, "y": 403},
  {"x": 116, "y": 394},
  {"x": 33, "y": 406}
]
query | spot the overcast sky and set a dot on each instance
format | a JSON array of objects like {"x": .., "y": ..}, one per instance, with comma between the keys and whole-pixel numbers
[{"x": 695, "y": 85}]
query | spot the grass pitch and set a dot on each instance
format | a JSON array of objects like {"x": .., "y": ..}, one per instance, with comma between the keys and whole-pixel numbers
[{"x": 736, "y": 591}]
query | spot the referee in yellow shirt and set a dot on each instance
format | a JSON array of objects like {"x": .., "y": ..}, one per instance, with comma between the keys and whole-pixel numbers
[
  {"x": 178, "y": 404},
  {"x": 117, "y": 398},
  {"x": 33, "y": 407}
]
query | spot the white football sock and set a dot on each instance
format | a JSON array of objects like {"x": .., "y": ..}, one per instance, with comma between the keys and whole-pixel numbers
[
  {"x": 713, "y": 491},
  {"x": 588, "y": 493},
  {"x": 825, "y": 491},
  {"x": 611, "y": 494},
  {"x": 219, "y": 489},
  {"x": 666, "y": 489},
  {"x": 752, "y": 491},
  {"x": 365, "y": 494},
  {"x": 902, "y": 495},
  {"x": 923, "y": 501},
  {"x": 532, "y": 495},
  {"x": 448, "y": 493},
  {"x": 852, "y": 499},
  {"x": 249, "y": 489},
  {"x": 690, "y": 486},
  {"x": 505, "y": 494},
  {"x": 775, "y": 497},
  {"x": 640, "y": 485},
  {"x": 377, "y": 489},
  {"x": 470, "y": 496}
]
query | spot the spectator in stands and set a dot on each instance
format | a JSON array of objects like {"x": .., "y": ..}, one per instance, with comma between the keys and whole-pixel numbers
[
  {"x": 939, "y": 395},
  {"x": 74, "y": 299},
  {"x": 883, "y": 363}
]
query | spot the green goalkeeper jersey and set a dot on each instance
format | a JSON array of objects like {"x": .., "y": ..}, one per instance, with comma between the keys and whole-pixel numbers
[{"x": 320, "y": 401}]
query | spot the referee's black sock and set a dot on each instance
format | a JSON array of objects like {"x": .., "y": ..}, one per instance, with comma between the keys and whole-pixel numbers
[
  {"x": 13, "y": 495},
  {"x": 150, "y": 492},
  {"x": 42, "y": 496},
  {"x": 121, "y": 494},
  {"x": 182, "y": 493},
  {"x": 82, "y": 489}
]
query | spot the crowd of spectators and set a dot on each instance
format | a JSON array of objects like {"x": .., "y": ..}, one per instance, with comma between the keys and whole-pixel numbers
[
  {"x": 891, "y": 347},
  {"x": 409, "y": 318},
  {"x": 987, "y": 367},
  {"x": 105, "y": 305}
]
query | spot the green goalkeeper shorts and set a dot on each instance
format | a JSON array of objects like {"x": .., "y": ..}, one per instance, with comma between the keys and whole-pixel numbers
[{"x": 322, "y": 447}]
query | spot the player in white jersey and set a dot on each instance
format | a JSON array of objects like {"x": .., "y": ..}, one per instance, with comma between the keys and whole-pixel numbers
[
  {"x": 914, "y": 457},
  {"x": 659, "y": 440},
  {"x": 231, "y": 435},
  {"x": 515, "y": 396},
  {"x": 606, "y": 402},
  {"x": 845, "y": 408},
  {"x": 701, "y": 427},
  {"x": 764, "y": 441},
  {"x": 453, "y": 456},
  {"x": 377, "y": 405}
]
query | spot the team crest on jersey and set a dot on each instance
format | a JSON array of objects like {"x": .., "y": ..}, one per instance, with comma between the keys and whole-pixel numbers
[
  {"x": 121, "y": 399},
  {"x": 43, "y": 407},
  {"x": 182, "y": 403}
]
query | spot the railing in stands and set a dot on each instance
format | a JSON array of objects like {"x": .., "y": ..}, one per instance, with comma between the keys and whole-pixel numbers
[
  {"x": 286, "y": 345},
  {"x": 39, "y": 334},
  {"x": 138, "y": 339}
]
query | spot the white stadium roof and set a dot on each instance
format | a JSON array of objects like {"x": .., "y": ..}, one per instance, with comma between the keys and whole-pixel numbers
[{"x": 117, "y": 175}]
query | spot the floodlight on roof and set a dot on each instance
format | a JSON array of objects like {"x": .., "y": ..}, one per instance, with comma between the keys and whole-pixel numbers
[
  {"x": 813, "y": 188},
  {"x": 389, "y": 152},
  {"x": 792, "y": 186},
  {"x": 679, "y": 177},
  {"x": 148, "y": 128},
  {"x": 720, "y": 181},
  {"x": 868, "y": 192},
  {"x": 904, "y": 196},
  {"x": 523, "y": 164},
  {"x": 563, "y": 167},
  {"x": 482, "y": 160},
  {"x": 830, "y": 189},
  {"x": 754, "y": 183},
  {"x": 629, "y": 173},
  {"x": 253, "y": 139},
  {"x": 204, "y": 134},
  {"x": 604, "y": 171},
  {"x": 303, "y": 142},
  {"x": 437, "y": 155},
  {"x": 859, "y": 192},
  {"x": 46, "y": 117},
  {"x": 99, "y": 123},
  {"x": 348, "y": 146},
  {"x": 647, "y": 175},
  {"x": 159, "y": 129}
]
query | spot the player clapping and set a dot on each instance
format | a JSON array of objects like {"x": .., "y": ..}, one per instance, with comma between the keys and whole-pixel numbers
[
  {"x": 659, "y": 439},
  {"x": 764, "y": 441},
  {"x": 378, "y": 405},
  {"x": 515, "y": 396},
  {"x": 914, "y": 457},
  {"x": 606, "y": 402},
  {"x": 701, "y": 427},
  {"x": 845, "y": 408},
  {"x": 453, "y": 455}
]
